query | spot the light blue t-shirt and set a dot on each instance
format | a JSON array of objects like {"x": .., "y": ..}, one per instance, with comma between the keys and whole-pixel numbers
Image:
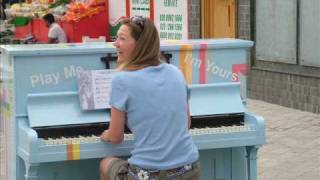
[{"x": 155, "y": 100}]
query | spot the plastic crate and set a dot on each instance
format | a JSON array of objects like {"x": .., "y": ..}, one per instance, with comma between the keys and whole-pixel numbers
[
  {"x": 22, "y": 32},
  {"x": 93, "y": 27}
]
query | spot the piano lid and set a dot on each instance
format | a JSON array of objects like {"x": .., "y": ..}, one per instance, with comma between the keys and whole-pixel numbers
[
  {"x": 215, "y": 99},
  {"x": 61, "y": 108}
]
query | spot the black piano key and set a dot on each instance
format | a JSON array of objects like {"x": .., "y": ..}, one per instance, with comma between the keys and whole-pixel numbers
[{"x": 213, "y": 121}]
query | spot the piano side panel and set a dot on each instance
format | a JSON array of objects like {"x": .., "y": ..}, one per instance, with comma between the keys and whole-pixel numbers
[
  {"x": 223, "y": 164},
  {"x": 7, "y": 121}
]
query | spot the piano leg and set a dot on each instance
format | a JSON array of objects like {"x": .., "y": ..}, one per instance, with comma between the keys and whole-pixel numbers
[
  {"x": 31, "y": 171},
  {"x": 252, "y": 162}
]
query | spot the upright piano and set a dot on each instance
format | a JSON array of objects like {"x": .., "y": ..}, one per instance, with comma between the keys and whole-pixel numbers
[{"x": 49, "y": 137}]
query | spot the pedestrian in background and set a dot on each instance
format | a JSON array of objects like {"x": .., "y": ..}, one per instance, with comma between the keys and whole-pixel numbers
[{"x": 56, "y": 34}]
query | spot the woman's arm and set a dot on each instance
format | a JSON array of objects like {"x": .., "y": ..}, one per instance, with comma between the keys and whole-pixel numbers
[{"x": 115, "y": 132}]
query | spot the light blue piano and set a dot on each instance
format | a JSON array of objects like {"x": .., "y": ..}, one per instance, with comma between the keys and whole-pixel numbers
[{"x": 49, "y": 137}]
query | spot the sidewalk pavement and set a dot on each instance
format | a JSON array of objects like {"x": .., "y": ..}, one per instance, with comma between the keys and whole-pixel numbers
[{"x": 292, "y": 151}]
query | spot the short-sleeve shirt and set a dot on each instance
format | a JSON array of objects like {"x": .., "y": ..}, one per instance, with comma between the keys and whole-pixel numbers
[
  {"x": 155, "y": 102},
  {"x": 56, "y": 32}
]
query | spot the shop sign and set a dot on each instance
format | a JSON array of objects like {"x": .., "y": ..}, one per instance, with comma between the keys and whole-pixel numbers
[{"x": 169, "y": 16}]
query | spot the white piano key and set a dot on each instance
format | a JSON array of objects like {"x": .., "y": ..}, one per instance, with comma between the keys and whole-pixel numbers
[
  {"x": 219, "y": 130},
  {"x": 63, "y": 140}
]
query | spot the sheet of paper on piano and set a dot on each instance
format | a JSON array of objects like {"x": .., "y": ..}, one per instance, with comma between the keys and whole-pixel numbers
[{"x": 95, "y": 88}]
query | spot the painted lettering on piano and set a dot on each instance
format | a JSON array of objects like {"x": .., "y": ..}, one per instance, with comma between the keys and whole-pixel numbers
[
  {"x": 45, "y": 79},
  {"x": 72, "y": 71},
  {"x": 210, "y": 67},
  {"x": 54, "y": 78}
]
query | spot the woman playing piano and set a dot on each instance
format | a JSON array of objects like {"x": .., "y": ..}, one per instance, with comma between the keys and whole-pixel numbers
[{"x": 151, "y": 98}]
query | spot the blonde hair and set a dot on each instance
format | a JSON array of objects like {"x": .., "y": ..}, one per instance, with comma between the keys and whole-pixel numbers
[{"x": 147, "y": 49}]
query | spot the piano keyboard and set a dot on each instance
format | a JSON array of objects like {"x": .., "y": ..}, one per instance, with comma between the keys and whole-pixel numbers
[
  {"x": 79, "y": 140},
  {"x": 128, "y": 137}
]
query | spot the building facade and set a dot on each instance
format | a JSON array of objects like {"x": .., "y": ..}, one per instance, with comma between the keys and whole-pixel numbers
[{"x": 284, "y": 63}]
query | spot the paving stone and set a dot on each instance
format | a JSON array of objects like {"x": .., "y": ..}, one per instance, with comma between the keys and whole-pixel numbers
[{"x": 293, "y": 143}]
